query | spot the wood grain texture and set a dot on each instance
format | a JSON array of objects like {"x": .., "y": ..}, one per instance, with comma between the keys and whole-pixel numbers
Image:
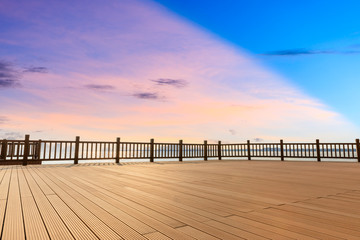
[{"x": 181, "y": 200}]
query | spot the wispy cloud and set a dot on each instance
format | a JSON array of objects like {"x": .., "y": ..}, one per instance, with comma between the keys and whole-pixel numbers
[
  {"x": 99, "y": 87},
  {"x": 179, "y": 83},
  {"x": 147, "y": 95},
  {"x": 36, "y": 70},
  {"x": 13, "y": 135},
  {"x": 3, "y": 119},
  {"x": 304, "y": 51},
  {"x": 258, "y": 140},
  {"x": 9, "y": 77},
  {"x": 232, "y": 131},
  {"x": 299, "y": 51}
]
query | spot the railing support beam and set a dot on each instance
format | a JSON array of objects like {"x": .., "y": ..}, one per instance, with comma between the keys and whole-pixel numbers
[
  {"x": 117, "y": 159},
  {"x": 205, "y": 151},
  {"x": 318, "y": 150},
  {"x": 152, "y": 150},
  {"x": 77, "y": 147},
  {"x": 38, "y": 150},
  {"x": 248, "y": 149},
  {"x": 219, "y": 150},
  {"x": 26, "y": 150},
  {"x": 282, "y": 149},
  {"x": 180, "y": 150},
  {"x": 4, "y": 150},
  {"x": 358, "y": 149}
]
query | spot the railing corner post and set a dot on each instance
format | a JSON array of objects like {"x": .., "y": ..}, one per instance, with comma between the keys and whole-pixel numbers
[
  {"x": 117, "y": 160},
  {"x": 152, "y": 150},
  {"x": 3, "y": 150},
  {"x": 180, "y": 150},
  {"x": 205, "y": 150},
  {"x": 318, "y": 150},
  {"x": 249, "y": 149},
  {"x": 77, "y": 146},
  {"x": 26, "y": 149},
  {"x": 282, "y": 149},
  {"x": 358, "y": 149},
  {"x": 219, "y": 150}
]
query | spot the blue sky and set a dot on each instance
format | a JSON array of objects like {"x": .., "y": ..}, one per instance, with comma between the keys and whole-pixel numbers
[{"x": 315, "y": 44}]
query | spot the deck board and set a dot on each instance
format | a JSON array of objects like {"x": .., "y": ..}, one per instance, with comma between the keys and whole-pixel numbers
[
  {"x": 33, "y": 223},
  {"x": 13, "y": 227},
  {"x": 188, "y": 200}
]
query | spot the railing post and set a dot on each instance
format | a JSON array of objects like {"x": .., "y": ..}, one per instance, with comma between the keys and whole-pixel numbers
[
  {"x": 152, "y": 150},
  {"x": 318, "y": 150},
  {"x": 4, "y": 150},
  {"x": 77, "y": 146},
  {"x": 180, "y": 150},
  {"x": 38, "y": 150},
  {"x": 358, "y": 149},
  {"x": 219, "y": 150},
  {"x": 26, "y": 150},
  {"x": 282, "y": 149},
  {"x": 117, "y": 160},
  {"x": 205, "y": 151},
  {"x": 248, "y": 147}
]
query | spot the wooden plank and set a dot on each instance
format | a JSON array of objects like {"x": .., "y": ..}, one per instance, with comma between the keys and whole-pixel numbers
[
  {"x": 34, "y": 225},
  {"x": 4, "y": 190},
  {"x": 320, "y": 231},
  {"x": 13, "y": 227},
  {"x": 54, "y": 225},
  {"x": 193, "y": 232},
  {"x": 235, "y": 231},
  {"x": 271, "y": 228},
  {"x": 315, "y": 224},
  {"x": 183, "y": 200},
  {"x": 116, "y": 211},
  {"x": 198, "y": 225},
  {"x": 156, "y": 236},
  {"x": 92, "y": 221},
  {"x": 166, "y": 230},
  {"x": 253, "y": 228},
  {"x": 75, "y": 224},
  {"x": 322, "y": 217}
]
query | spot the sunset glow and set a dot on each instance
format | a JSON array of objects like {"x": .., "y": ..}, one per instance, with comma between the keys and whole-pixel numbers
[{"x": 136, "y": 70}]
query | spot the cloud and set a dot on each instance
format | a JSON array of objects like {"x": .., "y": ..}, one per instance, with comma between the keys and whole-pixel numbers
[
  {"x": 147, "y": 95},
  {"x": 299, "y": 51},
  {"x": 3, "y": 119},
  {"x": 36, "y": 70},
  {"x": 258, "y": 139},
  {"x": 9, "y": 77},
  {"x": 13, "y": 135},
  {"x": 179, "y": 83},
  {"x": 99, "y": 87},
  {"x": 303, "y": 51},
  {"x": 232, "y": 131}
]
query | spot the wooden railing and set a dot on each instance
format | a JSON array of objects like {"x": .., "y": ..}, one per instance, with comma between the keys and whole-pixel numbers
[{"x": 35, "y": 151}]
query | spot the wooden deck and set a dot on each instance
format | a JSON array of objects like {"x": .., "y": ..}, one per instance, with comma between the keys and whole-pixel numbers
[{"x": 188, "y": 200}]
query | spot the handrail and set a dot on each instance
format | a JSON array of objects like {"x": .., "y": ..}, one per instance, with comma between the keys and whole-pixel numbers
[{"x": 35, "y": 151}]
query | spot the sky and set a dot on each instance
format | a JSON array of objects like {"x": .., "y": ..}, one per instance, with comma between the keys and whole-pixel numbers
[{"x": 169, "y": 70}]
